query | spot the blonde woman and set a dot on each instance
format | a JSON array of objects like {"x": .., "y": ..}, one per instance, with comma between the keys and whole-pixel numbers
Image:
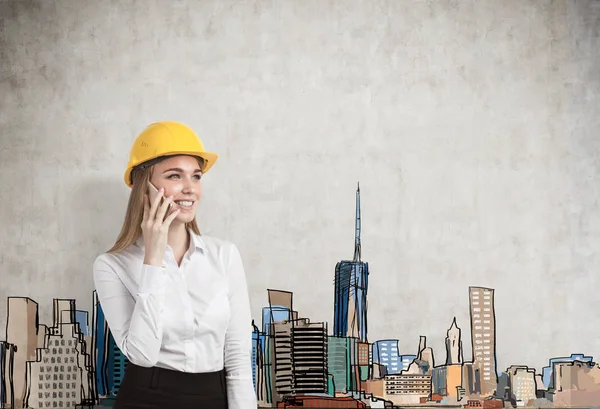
[{"x": 176, "y": 301}]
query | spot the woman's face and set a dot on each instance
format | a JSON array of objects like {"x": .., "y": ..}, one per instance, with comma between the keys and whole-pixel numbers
[{"x": 180, "y": 177}]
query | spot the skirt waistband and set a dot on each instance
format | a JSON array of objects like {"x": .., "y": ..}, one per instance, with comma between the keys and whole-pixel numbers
[{"x": 202, "y": 383}]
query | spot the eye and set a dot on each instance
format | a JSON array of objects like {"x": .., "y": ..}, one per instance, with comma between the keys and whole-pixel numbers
[
  {"x": 172, "y": 176},
  {"x": 198, "y": 176}
]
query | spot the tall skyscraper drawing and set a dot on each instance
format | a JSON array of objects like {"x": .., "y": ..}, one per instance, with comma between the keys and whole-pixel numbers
[
  {"x": 59, "y": 375},
  {"x": 339, "y": 361},
  {"x": 110, "y": 363},
  {"x": 351, "y": 283},
  {"x": 454, "y": 352},
  {"x": 7, "y": 355},
  {"x": 483, "y": 338},
  {"x": 21, "y": 331}
]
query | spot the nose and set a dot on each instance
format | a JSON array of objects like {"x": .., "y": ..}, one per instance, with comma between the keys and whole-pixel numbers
[{"x": 188, "y": 186}]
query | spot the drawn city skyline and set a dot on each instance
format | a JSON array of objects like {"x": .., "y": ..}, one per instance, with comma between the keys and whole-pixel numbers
[{"x": 297, "y": 361}]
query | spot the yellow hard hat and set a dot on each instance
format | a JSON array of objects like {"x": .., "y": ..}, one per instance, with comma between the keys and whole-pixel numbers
[{"x": 164, "y": 139}]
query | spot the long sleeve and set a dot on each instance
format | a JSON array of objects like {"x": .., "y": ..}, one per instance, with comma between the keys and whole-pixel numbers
[
  {"x": 238, "y": 339},
  {"x": 135, "y": 323}
]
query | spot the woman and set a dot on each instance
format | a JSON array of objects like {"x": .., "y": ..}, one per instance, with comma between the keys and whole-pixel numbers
[{"x": 176, "y": 302}]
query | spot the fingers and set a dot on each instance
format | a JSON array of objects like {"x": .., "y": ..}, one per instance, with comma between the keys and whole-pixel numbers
[
  {"x": 154, "y": 204},
  {"x": 162, "y": 210}
]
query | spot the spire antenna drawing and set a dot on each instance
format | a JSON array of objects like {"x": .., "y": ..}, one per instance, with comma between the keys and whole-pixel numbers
[{"x": 357, "y": 254}]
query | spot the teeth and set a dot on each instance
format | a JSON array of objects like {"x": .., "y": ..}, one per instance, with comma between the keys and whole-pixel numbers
[{"x": 184, "y": 203}]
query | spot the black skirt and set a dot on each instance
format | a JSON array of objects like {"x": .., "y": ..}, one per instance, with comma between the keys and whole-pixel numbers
[{"x": 154, "y": 388}]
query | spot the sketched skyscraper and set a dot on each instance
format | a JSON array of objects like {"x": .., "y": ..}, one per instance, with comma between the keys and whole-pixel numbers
[
  {"x": 483, "y": 338},
  {"x": 454, "y": 350},
  {"x": 351, "y": 282}
]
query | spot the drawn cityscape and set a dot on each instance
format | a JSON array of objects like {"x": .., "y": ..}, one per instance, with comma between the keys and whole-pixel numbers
[{"x": 296, "y": 363}]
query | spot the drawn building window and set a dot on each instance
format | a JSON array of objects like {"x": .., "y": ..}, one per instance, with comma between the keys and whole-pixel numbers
[
  {"x": 55, "y": 377},
  {"x": 71, "y": 359},
  {"x": 53, "y": 360},
  {"x": 62, "y": 342},
  {"x": 68, "y": 368},
  {"x": 70, "y": 343},
  {"x": 73, "y": 385},
  {"x": 54, "y": 404},
  {"x": 62, "y": 368},
  {"x": 47, "y": 385},
  {"x": 68, "y": 377},
  {"x": 54, "y": 394},
  {"x": 41, "y": 377},
  {"x": 45, "y": 360},
  {"x": 58, "y": 359},
  {"x": 68, "y": 385},
  {"x": 40, "y": 385}
]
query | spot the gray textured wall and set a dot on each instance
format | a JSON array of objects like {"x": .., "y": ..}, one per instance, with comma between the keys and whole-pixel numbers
[{"x": 472, "y": 127}]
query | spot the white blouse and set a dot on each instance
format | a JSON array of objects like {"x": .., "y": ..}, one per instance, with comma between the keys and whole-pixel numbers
[{"x": 192, "y": 318}]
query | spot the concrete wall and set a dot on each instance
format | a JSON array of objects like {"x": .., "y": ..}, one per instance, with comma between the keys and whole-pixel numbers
[{"x": 472, "y": 127}]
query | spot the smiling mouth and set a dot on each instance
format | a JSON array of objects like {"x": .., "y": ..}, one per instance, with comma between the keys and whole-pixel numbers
[{"x": 184, "y": 203}]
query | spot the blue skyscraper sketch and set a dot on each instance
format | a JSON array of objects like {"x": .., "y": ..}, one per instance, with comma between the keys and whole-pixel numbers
[
  {"x": 386, "y": 353},
  {"x": 274, "y": 313},
  {"x": 82, "y": 319},
  {"x": 351, "y": 283}
]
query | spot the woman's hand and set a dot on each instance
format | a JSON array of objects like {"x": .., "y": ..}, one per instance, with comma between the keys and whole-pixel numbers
[{"x": 155, "y": 228}]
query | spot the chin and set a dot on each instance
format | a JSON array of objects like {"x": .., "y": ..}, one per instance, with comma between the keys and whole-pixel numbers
[{"x": 185, "y": 218}]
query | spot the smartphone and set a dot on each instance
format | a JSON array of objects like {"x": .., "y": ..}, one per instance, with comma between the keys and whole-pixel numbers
[{"x": 153, "y": 192}]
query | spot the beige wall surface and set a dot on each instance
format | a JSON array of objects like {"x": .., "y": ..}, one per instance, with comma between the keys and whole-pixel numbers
[{"x": 472, "y": 127}]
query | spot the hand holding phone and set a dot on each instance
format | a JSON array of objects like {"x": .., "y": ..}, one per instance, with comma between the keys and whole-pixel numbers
[
  {"x": 155, "y": 225},
  {"x": 153, "y": 192}
]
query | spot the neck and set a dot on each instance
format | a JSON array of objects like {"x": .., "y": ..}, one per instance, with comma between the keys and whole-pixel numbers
[{"x": 178, "y": 238}]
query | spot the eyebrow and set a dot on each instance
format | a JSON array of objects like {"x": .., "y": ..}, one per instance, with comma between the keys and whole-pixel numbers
[{"x": 181, "y": 170}]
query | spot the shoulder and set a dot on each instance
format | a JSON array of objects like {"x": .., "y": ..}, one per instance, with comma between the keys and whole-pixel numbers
[
  {"x": 217, "y": 245},
  {"x": 223, "y": 249},
  {"x": 116, "y": 262}
]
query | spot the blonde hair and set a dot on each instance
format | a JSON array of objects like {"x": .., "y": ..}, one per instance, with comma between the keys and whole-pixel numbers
[{"x": 132, "y": 225}]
